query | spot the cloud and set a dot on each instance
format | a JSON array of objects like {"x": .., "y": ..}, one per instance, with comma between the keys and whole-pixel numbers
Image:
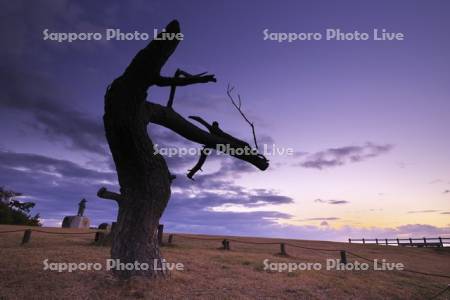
[
  {"x": 421, "y": 230},
  {"x": 422, "y": 211},
  {"x": 39, "y": 164},
  {"x": 333, "y": 157},
  {"x": 300, "y": 153},
  {"x": 445, "y": 213},
  {"x": 57, "y": 185},
  {"x": 37, "y": 85},
  {"x": 45, "y": 109},
  {"x": 230, "y": 223},
  {"x": 187, "y": 217},
  {"x": 435, "y": 181},
  {"x": 265, "y": 140},
  {"x": 33, "y": 75},
  {"x": 446, "y": 191},
  {"x": 230, "y": 169},
  {"x": 35, "y": 78},
  {"x": 218, "y": 188},
  {"x": 333, "y": 202},
  {"x": 322, "y": 219},
  {"x": 39, "y": 97}
]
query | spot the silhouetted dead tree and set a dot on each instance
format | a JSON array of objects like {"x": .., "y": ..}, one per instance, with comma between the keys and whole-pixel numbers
[{"x": 143, "y": 175}]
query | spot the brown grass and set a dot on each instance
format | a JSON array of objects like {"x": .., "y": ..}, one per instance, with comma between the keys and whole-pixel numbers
[{"x": 213, "y": 273}]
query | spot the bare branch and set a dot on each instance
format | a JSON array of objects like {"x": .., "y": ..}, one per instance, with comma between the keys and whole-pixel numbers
[
  {"x": 105, "y": 194},
  {"x": 199, "y": 164},
  {"x": 201, "y": 121},
  {"x": 215, "y": 129},
  {"x": 183, "y": 81},
  {"x": 178, "y": 74},
  {"x": 238, "y": 107},
  {"x": 170, "y": 119},
  {"x": 172, "y": 89},
  {"x": 186, "y": 74}
]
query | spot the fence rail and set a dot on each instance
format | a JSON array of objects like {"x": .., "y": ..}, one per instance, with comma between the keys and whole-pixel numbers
[
  {"x": 343, "y": 254},
  {"x": 27, "y": 233},
  {"x": 406, "y": 242}
]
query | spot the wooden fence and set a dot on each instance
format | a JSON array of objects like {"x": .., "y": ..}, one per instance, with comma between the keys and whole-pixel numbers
[
  {"x": 343, "y": 254},
  {"x": 409, "y": 242}
]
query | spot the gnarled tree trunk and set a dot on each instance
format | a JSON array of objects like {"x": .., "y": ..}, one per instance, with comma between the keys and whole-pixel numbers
[{"x": 143, "y": 176}]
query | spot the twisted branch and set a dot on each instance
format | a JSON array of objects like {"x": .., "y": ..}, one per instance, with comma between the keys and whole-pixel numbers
[
  {"x": 105, "y": 194},
  {"x": 178, "y": 74},
  {"x": 169, "y": 118},
  {"x": 198, "y": 166}
]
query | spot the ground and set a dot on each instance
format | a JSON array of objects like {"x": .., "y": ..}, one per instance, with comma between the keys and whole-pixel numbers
[{"x": 214, "y": 273}]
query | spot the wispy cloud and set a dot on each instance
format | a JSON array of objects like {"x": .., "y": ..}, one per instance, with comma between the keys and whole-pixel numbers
[
  {"x": 56, "y": 185},
  {"x": 56, "y": 196},
  {"x": 435, "y": 181},
  {"x": 322, "y": 219},
  {"x": 422, "y": 211},
  {"x": 334, "y": 157},
  {"x": 333, "y": 202},
  {"x": 375, "y": 209}
]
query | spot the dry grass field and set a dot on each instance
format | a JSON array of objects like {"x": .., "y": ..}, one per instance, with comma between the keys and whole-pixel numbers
[{"x": 212, "y": 273}]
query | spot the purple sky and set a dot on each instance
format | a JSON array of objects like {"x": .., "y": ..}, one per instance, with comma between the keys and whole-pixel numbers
[{"x": 368, "y": 120}]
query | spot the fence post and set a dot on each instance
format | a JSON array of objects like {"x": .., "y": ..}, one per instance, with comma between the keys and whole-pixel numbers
[
  {"x": 376, "y": 240},
  {"x": 282, "y": 249},
  {"x": 349, "y": 241},
  {"x": 26, "y": 236},
  {"x": 364, "y": 241},
  {"x": 99, "y": 236},
  {"x": 160, "y": 233},
  {"x": 387, "y": 244},
  {"x": 425, "y": 241},
  {"x": 170, "y": 239},
  {"x": 343, "y": 257},
  {"x": 226, "y": 244}
]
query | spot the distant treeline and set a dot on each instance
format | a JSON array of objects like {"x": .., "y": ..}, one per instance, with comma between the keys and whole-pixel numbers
[{"x": 15, "y": 212}]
